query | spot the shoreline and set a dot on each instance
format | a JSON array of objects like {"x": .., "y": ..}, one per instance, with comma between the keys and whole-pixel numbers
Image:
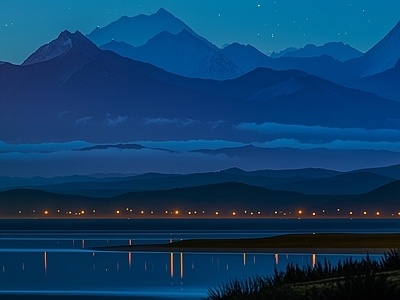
[
  {"x": 325, "y": 243},
  {"x": 163, "y": 249}
]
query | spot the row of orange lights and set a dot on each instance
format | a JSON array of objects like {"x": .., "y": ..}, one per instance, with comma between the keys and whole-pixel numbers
[
  {"x": 350, "y": 213},
  {"x": 176, "y": 212}
]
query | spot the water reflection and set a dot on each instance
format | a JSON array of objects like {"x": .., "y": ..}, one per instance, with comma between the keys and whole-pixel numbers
[
  {"x": 181, "y": 263},
  {"x": 59, "y": 264},
  {"x": 314, "y": 260},
  {"x": 45, "y": 263}
]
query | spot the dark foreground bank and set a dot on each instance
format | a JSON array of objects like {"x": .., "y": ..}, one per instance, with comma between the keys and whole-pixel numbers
[{"x": 299, "y": 243}]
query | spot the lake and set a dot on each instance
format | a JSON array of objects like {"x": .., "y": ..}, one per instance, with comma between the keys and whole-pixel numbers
[{"x": 56, "y": 257}]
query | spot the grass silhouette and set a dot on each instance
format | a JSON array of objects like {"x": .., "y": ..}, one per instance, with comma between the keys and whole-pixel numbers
[{"x": 348, "y": 279}]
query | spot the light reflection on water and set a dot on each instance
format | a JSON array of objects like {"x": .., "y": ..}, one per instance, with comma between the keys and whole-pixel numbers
[
  {"x": 47, "y": 263},
  {"x": 36, "y": 260}
]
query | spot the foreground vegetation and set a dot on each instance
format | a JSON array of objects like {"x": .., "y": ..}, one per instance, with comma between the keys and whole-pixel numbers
[{"x": 350, "y": 279}]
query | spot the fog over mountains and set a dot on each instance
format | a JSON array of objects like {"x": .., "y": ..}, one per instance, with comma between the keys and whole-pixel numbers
[{"x": 152, "y": 78}]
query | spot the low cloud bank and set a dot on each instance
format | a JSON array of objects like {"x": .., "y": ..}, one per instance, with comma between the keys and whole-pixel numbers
[{"x": 320, "y": 134}]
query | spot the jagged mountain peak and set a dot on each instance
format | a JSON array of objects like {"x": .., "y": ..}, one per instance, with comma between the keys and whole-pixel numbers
[
  {"x": 58, "y": 47},
  {"x": 161, "y": 11},
  {"x": 385, "y": 54}
]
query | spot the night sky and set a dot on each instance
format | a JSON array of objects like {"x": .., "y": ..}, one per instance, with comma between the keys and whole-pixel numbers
[{"x": 267, "y": 25}]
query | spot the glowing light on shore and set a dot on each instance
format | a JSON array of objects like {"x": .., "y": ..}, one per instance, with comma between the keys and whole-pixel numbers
[
  {"x": 46, "y": 212},
  {"x": 300, "y": 212},
  {"x": 234, "y": 214},
  {"x": 377, "y": 213},
  {"x": 364, "y": 213},
  {"x": 117, "y": 212},
  {"x": 314, "y": 214},
  {"x": 350, "y": 213},
  {"x": 93, "y": 211},
  {"x": 82, "y": 212},
  {"x": 217, "y": 213},
  {"x": 176, "y": 212}
]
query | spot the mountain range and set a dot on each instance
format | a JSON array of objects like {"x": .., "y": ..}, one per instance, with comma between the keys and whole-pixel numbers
[
  {"x": 344, "y": 62},
  {"x": 62, "y": 83},
  {"x": 211, "y": 200},
  {"x": 152, "y": 78},
  {"x": 310, "y": 181}
]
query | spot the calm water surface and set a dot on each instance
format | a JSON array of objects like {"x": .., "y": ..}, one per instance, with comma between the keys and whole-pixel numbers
[{"x": 56, "y": 257}]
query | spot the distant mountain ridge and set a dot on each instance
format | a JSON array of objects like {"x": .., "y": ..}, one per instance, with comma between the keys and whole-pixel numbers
[
  {"x": 182, "y": 53},
  {"x": 337, "y": 50},
  {"x": 307, "y": 181},
  {"x": 216, "y": 200},
  {"x": 137, "y": 30}
]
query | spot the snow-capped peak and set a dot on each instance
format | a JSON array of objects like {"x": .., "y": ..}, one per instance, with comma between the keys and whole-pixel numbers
[{"x": 56, "y": 48}]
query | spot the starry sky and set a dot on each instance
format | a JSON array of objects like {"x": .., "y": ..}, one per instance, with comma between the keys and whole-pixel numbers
[{"x": 269, "y": 25}]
